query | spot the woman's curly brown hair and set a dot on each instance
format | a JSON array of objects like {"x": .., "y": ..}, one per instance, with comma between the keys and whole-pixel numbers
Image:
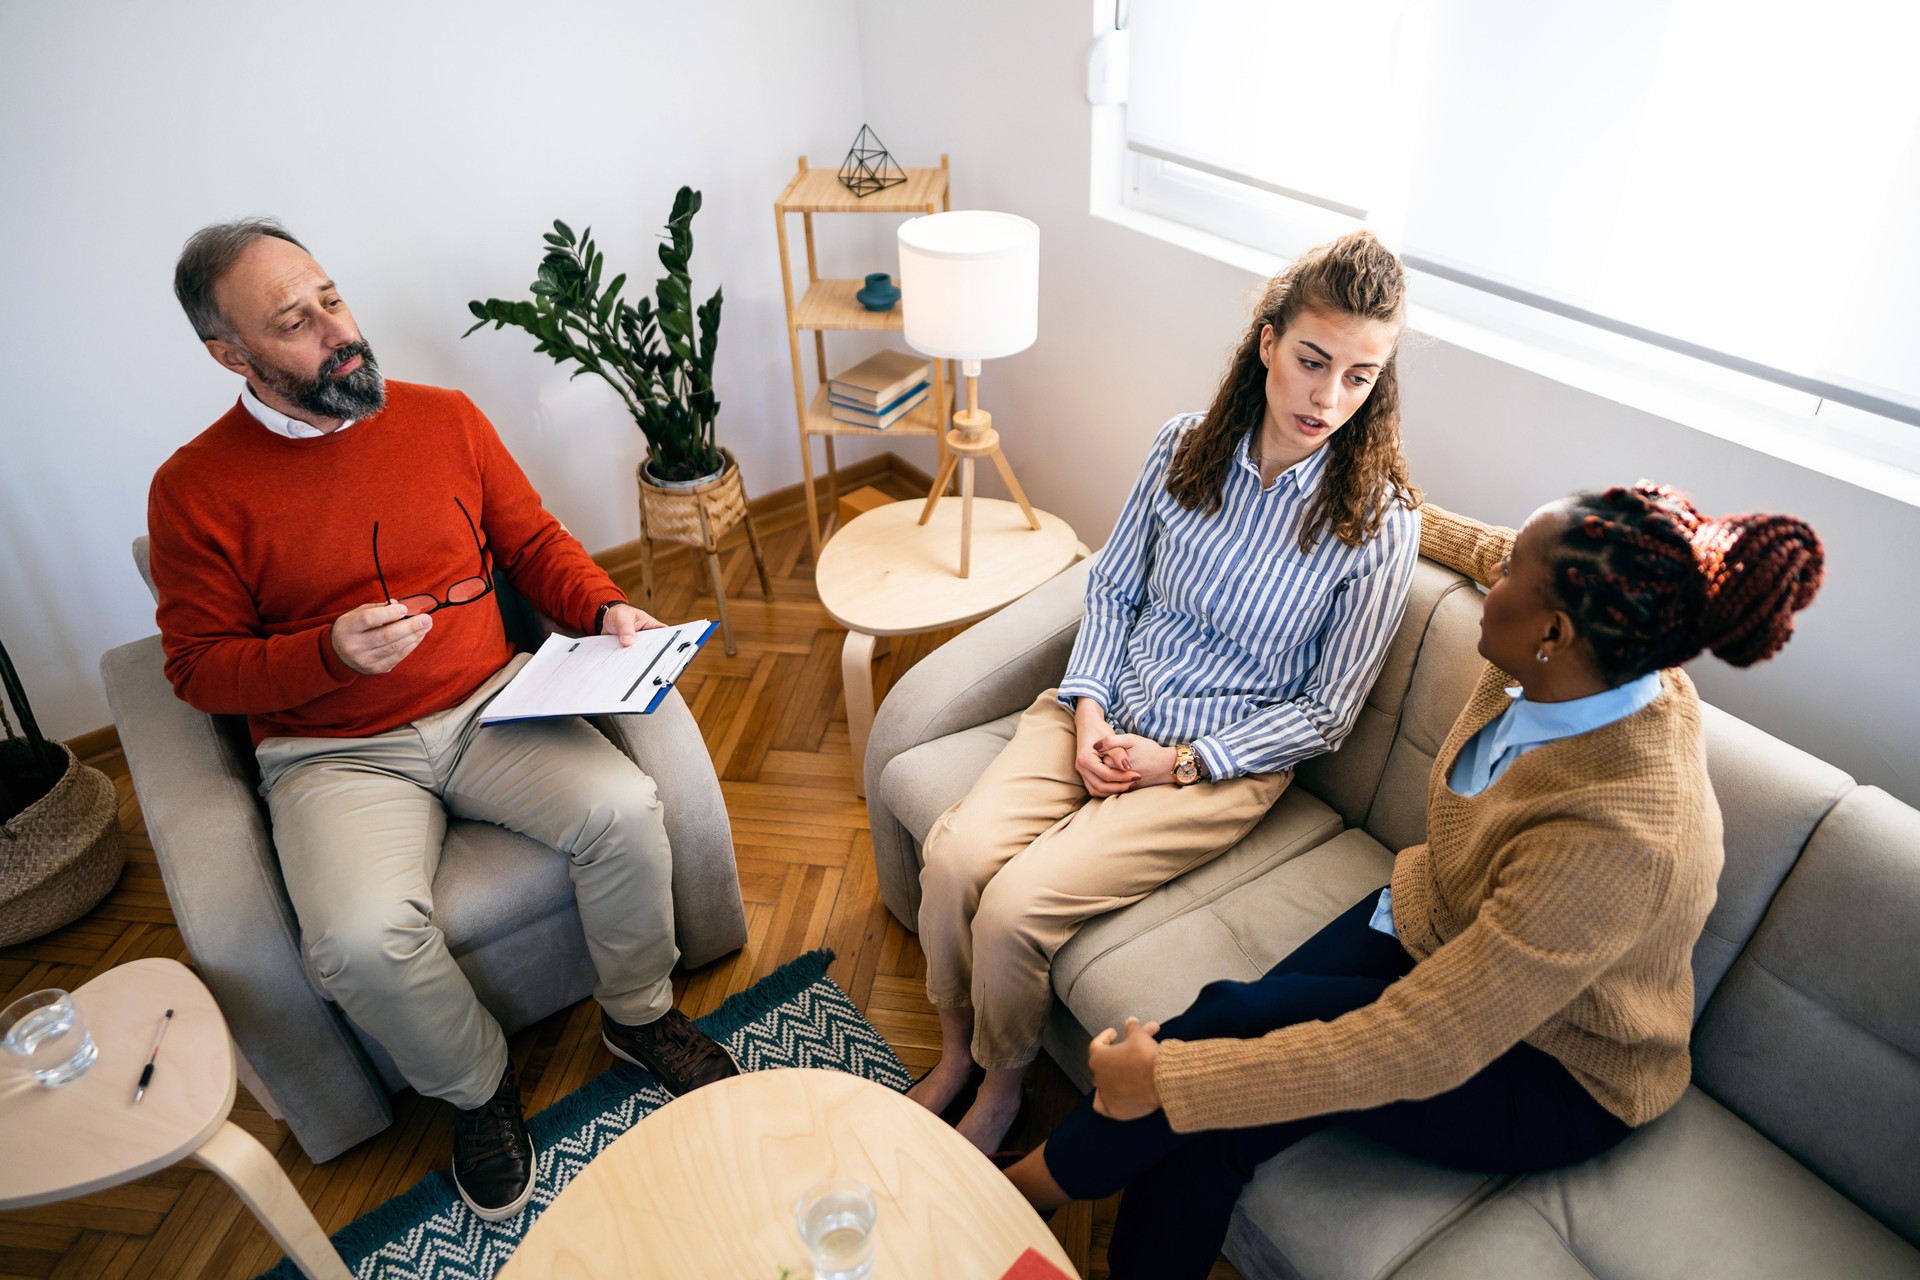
[{"x": 1355, "y": 276}]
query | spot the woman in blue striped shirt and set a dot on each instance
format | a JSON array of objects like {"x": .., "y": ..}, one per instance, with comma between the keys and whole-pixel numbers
[{"x": 1235, "y": 620}]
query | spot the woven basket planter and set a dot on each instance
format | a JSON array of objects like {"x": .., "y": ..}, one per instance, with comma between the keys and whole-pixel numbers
[
  {"x": 698, "y": 514},
  {"x": 59, "y": 855}
]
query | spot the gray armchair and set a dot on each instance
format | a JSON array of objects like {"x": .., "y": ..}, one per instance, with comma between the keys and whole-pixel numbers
[{"x": 504, "y": 902}]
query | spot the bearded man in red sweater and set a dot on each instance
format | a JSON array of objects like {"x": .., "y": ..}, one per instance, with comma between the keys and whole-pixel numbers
[{"x": 325, "y": 556}]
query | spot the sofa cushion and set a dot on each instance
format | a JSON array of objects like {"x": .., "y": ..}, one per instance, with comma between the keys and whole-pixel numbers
[
  {"x": 1347, "y": 779},
  {"x": 1217, "y": 921},
  {"x": 1340, "y": 1207},
  {"x": 1814, "y": 1036},
  {"x": 1696, "y": 1195}
]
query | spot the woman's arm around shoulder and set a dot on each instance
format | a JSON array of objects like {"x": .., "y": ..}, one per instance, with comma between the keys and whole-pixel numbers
[{"x": 1463, "y": 544}]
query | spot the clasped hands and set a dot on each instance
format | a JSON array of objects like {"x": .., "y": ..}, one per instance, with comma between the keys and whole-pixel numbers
[
  {"x": 1122, "y": 1066},
  {"x": 374, "y": 638},
  {"x": 1110, "y": 763}
]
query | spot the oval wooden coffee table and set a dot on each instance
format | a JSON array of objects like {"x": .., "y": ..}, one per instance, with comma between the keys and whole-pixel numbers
[
  {"x": 88, "y": 1134},
  {"x": 706, "y": 1185},
  {"x": 886, "y": 574}
]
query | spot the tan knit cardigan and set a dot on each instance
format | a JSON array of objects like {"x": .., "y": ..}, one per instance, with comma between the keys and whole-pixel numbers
[{"x": 1559, "y": 906}]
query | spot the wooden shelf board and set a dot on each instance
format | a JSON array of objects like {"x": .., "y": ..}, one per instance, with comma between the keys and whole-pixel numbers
[
  {"x": 925, "y": 419},
  {"x": 820, "y": 191},
  {"x": 831, "y": 304}
]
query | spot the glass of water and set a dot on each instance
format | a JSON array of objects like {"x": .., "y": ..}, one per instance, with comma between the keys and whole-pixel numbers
[
  {"x": 48, "y": 1035},
  {"x": 836, "y": 1224}
]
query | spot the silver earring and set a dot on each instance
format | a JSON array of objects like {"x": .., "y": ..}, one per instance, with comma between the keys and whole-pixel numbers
[{"x": 1540, "y": 655}]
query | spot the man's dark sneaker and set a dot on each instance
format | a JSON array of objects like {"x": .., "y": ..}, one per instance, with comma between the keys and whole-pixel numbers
[
  {"x": 493, "y": 1166},
  {"x": 671, "y": 1047}
]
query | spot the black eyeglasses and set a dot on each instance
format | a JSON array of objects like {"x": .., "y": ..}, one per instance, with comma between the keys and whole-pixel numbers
[{"x": 465, "y": 591}]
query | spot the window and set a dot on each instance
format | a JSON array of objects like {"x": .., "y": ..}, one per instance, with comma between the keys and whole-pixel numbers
[{"x": 1734, "y": 183}]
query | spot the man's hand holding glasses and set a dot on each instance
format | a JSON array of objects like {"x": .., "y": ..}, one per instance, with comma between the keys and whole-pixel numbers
[{"x": 375, "y": 637}]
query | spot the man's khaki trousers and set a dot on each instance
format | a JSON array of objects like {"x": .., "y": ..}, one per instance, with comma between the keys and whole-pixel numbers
[
  {"x": 1028, "y": 857},
  {"x": 358, "y": 822}
]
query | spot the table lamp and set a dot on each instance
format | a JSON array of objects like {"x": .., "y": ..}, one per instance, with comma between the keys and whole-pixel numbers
[{"x": 970, "y": 291}]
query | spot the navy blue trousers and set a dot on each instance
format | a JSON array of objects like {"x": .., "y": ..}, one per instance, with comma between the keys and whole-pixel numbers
[{"x": 1524, "y": 1112}]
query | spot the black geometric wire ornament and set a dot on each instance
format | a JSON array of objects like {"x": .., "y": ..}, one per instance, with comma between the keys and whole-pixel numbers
[{"x": 868, "y": 167}]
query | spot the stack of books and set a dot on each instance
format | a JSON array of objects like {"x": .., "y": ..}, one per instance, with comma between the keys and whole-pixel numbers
[{"x": 880, "y": 390}]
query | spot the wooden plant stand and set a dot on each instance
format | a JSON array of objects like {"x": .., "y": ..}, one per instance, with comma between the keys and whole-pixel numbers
[{"x": 699, "y": 517}]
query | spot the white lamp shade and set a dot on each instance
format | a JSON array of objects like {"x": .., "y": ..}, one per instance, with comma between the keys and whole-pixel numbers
[{"x": 970, "y": 284}]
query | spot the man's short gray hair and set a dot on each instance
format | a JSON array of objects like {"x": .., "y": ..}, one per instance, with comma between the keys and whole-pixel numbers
[{"x": 209, "y": 254}]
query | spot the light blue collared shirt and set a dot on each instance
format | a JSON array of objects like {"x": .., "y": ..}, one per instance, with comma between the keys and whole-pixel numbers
[
  {"x": 1217, "y": 630},
  {"x": 1519, "y": 729}
]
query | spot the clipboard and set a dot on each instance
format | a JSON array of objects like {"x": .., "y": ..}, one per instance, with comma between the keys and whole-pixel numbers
[{"x": 597, "y": 676}]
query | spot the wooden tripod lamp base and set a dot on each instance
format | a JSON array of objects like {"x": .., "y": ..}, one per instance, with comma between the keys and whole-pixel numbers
[{"x": 973, "y": 437}]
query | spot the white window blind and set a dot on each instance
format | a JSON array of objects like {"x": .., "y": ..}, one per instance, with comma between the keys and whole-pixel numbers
[{"x": 1737, "y": 180}]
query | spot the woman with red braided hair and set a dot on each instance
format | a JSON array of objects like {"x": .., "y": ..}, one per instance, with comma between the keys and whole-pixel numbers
[{"x": 1521, "y": 996}]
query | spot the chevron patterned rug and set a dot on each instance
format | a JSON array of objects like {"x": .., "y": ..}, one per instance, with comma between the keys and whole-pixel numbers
[{"x": 794, "y": 1017}]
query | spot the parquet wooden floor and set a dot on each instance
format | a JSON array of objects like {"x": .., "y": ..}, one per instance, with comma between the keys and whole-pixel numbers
[{"x": 775, "y": 721}]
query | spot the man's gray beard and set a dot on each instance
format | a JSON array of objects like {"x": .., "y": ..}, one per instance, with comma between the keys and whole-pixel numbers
[{"x": 360, "y": 394}]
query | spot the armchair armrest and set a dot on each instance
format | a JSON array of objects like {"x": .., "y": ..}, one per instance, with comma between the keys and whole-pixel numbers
[
  {"x": 210, "y": 839},
  {"x": 992, "y": 669},
  {"x": 709, "y": 919}
]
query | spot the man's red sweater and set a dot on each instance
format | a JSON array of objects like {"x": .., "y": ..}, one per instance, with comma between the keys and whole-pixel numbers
[{"x": 259, "y": 542}]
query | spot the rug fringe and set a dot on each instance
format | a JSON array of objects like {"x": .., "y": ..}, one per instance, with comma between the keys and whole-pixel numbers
[{"x": 360, "y": 1238}]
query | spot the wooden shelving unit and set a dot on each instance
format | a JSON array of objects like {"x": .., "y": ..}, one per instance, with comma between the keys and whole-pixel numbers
[{"x": 828, "y": 306}]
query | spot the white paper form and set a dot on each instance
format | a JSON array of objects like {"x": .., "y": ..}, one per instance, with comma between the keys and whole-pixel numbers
[{"x": 596, "y": 676}]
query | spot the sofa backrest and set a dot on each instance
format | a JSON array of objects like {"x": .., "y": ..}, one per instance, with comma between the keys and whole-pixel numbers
[
  {"x": 1814, "y": 1036},
  {"x": 1772, "y": 796},
  {"x": 1349, "y": 779}
]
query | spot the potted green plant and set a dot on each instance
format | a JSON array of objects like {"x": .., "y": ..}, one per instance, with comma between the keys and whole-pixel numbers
[
  {"x": 656, "y": 353},
  {"x": 60, "y": 848}
]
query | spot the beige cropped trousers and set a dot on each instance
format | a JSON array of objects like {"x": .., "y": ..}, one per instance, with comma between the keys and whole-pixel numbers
[
  {"x": 358, "y": 823},
  {"x": 1028, "y": 856}
]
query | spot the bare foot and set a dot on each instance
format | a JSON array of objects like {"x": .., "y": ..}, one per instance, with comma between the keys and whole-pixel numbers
[
  {"x": 990, "y": 1117},
  {"x": 937, "y": 1090}
]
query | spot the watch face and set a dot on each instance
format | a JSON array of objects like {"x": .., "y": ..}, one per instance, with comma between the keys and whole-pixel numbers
[{"x": 1186, "y": 771}]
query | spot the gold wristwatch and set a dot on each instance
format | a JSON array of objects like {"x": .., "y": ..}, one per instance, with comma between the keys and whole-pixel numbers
[{"x": 1188, "y": 767}]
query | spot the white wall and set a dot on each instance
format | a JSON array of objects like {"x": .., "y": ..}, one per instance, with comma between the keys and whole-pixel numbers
[
  {"x": 421, "y": 154},
  {"x": 419, "y": 150},
  {"x": 1134, "y": 330}
]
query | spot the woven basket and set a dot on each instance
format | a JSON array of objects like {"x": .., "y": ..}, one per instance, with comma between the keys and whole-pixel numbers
[
  {"x": 698, "y": 516},
  {"x": 59, "y": 855}
]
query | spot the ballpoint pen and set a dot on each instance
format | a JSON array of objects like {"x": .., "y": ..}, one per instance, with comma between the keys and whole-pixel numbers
[{"x": 153, "y": 1055}]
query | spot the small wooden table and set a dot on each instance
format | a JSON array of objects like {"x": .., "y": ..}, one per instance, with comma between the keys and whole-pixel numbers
[
  {"x": 886, "y": 574},
  {"x": 87, "y": 1135},
  {"x": 706, "y": 1186}
]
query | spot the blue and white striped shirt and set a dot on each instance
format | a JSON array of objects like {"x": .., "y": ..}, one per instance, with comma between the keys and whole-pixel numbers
[{"x": 1218, "y": 631}]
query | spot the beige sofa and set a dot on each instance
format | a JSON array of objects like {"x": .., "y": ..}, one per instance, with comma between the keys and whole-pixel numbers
[{"x": 1796, "y": 1153}]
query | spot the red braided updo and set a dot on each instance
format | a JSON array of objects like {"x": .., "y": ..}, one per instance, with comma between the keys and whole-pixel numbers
[{"x": 1650, "y": 582}]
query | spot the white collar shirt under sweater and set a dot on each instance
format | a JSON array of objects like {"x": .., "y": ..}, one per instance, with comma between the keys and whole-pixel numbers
[
  {"x": 279, "y": 423},
  {"x": 1220, "y": 632}
]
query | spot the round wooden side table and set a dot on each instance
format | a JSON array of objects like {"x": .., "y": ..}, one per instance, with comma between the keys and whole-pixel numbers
[
  {"x": 706, "y": 1186},
  {"x": 886, "y": 574},
  {"x": 88, "y": 1134}
]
